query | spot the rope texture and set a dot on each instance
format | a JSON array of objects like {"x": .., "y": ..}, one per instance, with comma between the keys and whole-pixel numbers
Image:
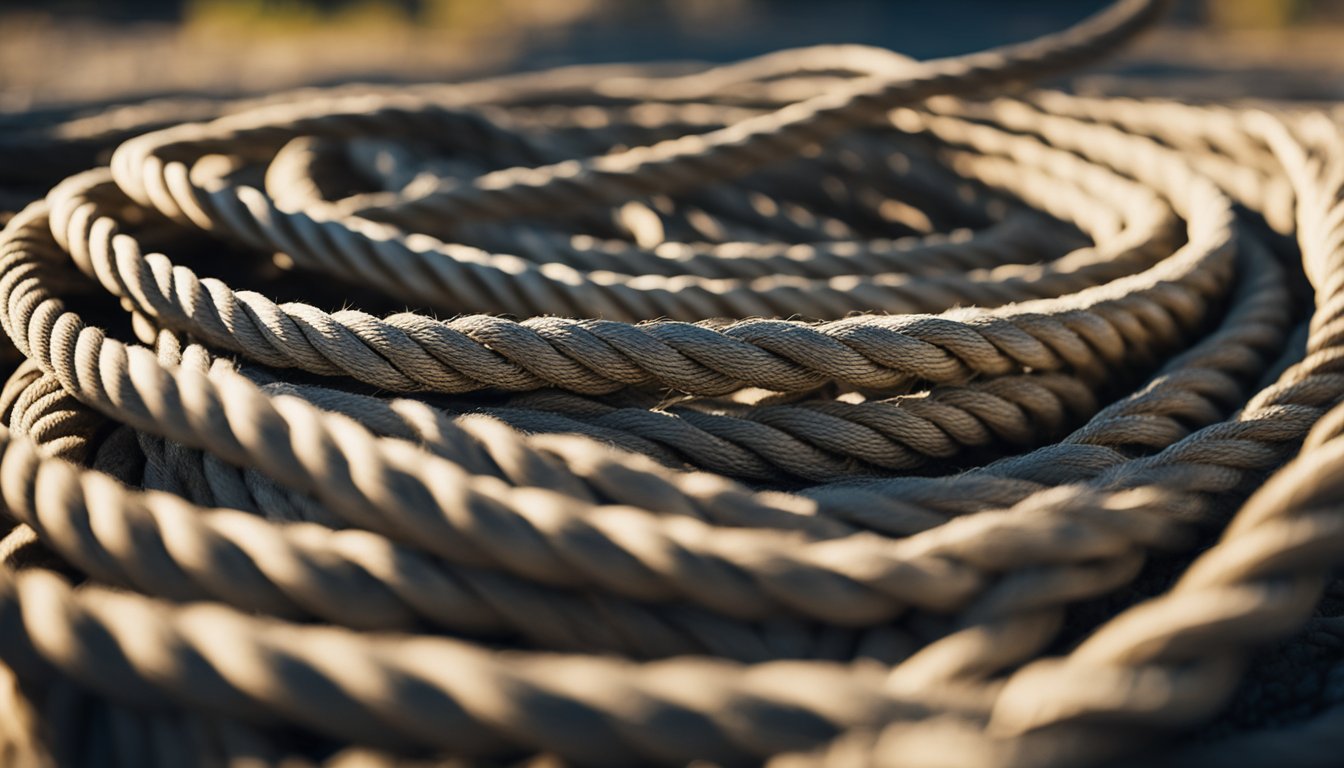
[{"x": 825, "y": 408}]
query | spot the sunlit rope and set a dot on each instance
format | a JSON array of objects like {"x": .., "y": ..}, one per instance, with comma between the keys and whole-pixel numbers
[{"x": 781, "y": 411}]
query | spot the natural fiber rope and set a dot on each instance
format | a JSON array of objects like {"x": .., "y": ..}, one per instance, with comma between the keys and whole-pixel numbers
[{"x": 979, "y": 360}]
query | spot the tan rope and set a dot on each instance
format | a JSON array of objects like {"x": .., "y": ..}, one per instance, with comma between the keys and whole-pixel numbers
[{"x": 821, "y": 408}]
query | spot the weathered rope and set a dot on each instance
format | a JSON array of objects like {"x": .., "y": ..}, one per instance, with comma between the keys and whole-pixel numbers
[{"x": 818, "y": 409}]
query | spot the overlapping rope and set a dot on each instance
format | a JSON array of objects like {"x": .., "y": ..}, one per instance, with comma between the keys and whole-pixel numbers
[{"x": 824, "y": 408}]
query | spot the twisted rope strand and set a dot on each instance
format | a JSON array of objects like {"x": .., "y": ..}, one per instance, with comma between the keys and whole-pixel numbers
[{"x": 980, "y": 360}]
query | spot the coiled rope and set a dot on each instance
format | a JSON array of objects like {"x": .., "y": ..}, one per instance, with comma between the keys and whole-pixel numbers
[{"x": 824, "y": 408}]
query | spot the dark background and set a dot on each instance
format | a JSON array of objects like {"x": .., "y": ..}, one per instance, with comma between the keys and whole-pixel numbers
[{"x": 63, "y": 50}]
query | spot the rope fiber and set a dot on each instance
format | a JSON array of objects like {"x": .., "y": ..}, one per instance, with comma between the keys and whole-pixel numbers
[{"x": 828, "y": 408}]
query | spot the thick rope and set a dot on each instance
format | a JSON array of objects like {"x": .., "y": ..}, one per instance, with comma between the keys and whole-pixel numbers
[{"x": 821, "y": 408}]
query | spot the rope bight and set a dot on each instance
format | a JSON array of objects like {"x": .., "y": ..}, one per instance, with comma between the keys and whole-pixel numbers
[{"x": 827, "y": 408}]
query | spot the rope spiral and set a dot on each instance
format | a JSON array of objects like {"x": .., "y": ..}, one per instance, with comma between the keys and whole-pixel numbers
[{"x": 827, "y": 408}]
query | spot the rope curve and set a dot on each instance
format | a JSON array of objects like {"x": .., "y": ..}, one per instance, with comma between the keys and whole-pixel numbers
[{"x": 826, "y": 408}]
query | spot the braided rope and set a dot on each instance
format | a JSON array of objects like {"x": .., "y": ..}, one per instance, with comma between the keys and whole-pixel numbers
[{"x": 816, "y": 410}]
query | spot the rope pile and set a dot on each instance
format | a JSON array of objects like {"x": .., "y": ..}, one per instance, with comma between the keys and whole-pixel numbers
[{"x": 828, "y": 408}]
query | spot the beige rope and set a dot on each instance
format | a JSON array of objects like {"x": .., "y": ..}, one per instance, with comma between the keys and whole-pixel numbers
[{"x": 921, "y": 385}]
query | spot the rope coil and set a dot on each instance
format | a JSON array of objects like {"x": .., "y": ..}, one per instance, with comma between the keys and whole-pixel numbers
[{"x": 823, "y": 408}]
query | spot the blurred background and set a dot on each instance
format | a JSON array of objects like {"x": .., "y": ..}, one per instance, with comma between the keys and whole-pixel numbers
[{"x": 55, "y": 51}]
